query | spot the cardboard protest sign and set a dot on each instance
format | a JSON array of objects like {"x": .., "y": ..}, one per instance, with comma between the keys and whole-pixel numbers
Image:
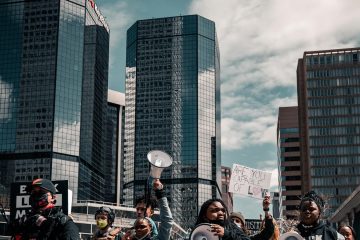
[
  {"x": 249, "y": 181},
  {"x": 19, "y": 198}
]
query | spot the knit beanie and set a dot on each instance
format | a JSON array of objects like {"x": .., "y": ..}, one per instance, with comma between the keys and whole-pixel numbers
[{"x": 238, "y": 215}]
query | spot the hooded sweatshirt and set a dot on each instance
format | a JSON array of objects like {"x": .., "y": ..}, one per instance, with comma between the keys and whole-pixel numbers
[{"x": 319, "y": 232}]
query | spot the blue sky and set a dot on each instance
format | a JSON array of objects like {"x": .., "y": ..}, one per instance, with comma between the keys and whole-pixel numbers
[{"x": 260, "y": 43}]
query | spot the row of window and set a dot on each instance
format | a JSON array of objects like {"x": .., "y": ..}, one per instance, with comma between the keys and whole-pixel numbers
[
  {"x": 334, "y": 131},
  {"x": 340, "y": 160},
  {"x": 333, "y": 82},
  {"x": 346, "y": 150},
  {"x": 320, "y": 112},
  {"x": 334, "y": 121},
  {"x": 323, "y": 102},
  {"x": 333, "y": 171},
  {"x": 340, "y": 91},
  {"x": 345, "y": 140},
  {"x": 351, "y": 57},
  {"x": 334, "y": 181},
  {"x": 337, "y": 72}
]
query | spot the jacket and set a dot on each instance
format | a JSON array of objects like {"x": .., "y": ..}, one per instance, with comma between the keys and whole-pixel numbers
[
  {"x": 112, "y": 233},
  {"x": 166, "y": 220},
  {"x": 267, "y": 232},
  {"x": 56, "y": 226},
  {"x": 320, "y": 231},
  {"x": 233, "y": 232}
]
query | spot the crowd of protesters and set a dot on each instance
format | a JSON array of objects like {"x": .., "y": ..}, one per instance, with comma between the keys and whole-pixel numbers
[{"x": 46, "y": 221}]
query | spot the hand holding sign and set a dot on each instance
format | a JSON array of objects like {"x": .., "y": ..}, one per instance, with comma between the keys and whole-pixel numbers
[{"x": 249, "y": 181}]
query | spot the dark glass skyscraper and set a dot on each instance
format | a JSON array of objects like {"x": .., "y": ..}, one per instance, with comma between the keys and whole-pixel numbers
[
  {"x": 173, "y": 105},
  {"x": 53, "y": 83},
  {"x": 329, "y": 118}
]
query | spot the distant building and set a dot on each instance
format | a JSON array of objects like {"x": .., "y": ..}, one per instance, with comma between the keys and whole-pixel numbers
[
  {"x": 227, "y": 196},
  {"x": 173, "y": 105},
  {"x": 114, "y": 146},
  {"x": 329, "y": 120},
  {"x": 349, "y": 211},
  {"x": 53, "y": 84},
  {"x": 288, "y": 162},
  {"x": 275, "y": 205}
]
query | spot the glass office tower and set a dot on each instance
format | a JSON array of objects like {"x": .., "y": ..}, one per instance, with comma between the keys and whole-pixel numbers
[
  {"x": 173, "y": 105},
  {"x": 47, "y": 66},
  {"x": 329, "y": 118}
]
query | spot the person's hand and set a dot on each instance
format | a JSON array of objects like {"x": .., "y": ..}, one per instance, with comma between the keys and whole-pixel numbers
[
  {"x": 217, "y": 229},
  {"x": 127, "y": 235},
  {"x": 266, "y": 202},
  {"x": 157, "y": 185}
]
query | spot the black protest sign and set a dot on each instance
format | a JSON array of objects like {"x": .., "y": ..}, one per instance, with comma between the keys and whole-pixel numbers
[{"x": 19, "y": 198}]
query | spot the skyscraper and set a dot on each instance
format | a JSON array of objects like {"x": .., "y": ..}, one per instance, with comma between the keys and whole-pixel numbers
[
  {"x": 288, "y": 142},
  {"x": 114, "y": 146},
  {"x": 173, "y": 105},
  {"x": 53, "y": 83},
  {"x": 329, "y": 108}
]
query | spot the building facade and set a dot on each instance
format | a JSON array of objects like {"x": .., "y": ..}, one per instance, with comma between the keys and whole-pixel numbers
[
  {"x": 226, "y": 196},
  {"x": 173, "y": 105},
  {"x": 53, "y": 83},
  {"x": 329, "y": 117},
  {"x": 288, "y": 143},
  {"x": 114, "y": 146}
]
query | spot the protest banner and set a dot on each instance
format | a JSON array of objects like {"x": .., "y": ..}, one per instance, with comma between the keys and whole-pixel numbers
[
  {"x": 249, "y": 181},
  {"x": 19, "y": 198}
]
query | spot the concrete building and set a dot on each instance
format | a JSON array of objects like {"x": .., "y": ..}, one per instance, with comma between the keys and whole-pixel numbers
[
  {"x": 114, "y": 146},
  {"x": 329, "y": 108},
  {"x": 288, "y": 143},
  {"x": 349, "y": 212},
  {"x": 173, "y": 105},
  {"x": 226, "y": 196},
  {"x": 53, "y": 84}
]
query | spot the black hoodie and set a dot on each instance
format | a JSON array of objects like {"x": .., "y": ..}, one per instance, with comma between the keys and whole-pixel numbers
[{"x": 319, "y": 232}]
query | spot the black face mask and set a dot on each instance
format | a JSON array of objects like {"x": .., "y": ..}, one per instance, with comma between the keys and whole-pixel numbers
[{"x": 38, "y": 200}]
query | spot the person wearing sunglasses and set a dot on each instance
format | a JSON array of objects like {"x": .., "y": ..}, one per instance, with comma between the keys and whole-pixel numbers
[
  {"x": 214, "y": 212},
  {"x": 45, "y": 220}
]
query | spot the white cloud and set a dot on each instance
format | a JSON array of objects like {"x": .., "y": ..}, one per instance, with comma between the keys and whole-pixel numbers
[
  {"x": 119, "y": 19},
  {"x": 260, "y": 44}
]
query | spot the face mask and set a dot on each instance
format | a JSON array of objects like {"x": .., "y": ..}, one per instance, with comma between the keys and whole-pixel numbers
[
  {"x": 238, "y": 224},
  {"x": 101, "y": 223}
]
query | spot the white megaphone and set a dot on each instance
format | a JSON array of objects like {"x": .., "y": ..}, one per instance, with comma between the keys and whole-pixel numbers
[
  {"x": 203, "y": 232},
  {"x": 158, "y": 160},
  {"x": 291, "y": 236}
]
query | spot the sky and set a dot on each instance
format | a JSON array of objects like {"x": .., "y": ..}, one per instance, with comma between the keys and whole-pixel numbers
[{"x": 260, "y": 43}]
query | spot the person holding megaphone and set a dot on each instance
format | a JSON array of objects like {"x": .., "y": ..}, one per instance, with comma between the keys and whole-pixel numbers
[
  {"x": 144, "y": 228},
  {"x": 215, "y": 216}
]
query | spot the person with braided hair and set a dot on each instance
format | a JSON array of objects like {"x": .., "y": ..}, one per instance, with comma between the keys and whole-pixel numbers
[{"x": 310, "y": 226}]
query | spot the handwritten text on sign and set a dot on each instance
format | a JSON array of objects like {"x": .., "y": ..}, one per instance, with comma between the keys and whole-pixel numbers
[{"x": 249, "y": 181}]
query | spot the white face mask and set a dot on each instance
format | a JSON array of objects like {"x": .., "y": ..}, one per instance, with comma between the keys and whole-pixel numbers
[{"x": 239, "y": 225}]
